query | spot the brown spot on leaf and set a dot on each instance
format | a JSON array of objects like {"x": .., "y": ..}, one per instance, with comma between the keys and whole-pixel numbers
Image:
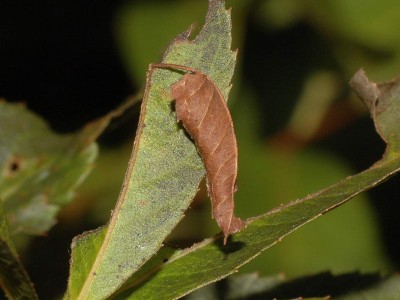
[
  {"x": 13, "y": 165},
  {"x": 203, "y": 112},
  {"x": 143, "y": 203}
]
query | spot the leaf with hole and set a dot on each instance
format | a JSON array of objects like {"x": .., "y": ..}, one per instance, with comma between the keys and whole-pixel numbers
[{"x": 39, "y": 169}]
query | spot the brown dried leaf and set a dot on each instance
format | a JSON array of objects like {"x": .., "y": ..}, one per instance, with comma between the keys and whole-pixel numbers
[{"x": 203, "y": 112}]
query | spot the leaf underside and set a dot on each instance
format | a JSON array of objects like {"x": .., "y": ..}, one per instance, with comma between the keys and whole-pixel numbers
[{"x": 163, "y": 173}]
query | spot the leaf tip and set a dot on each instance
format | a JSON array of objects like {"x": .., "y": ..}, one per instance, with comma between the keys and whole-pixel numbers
[
  {"x": 367, "y": 90},
  {"x": 182, "y": 37}
]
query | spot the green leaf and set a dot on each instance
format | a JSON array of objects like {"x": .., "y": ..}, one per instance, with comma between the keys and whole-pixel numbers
[
  {"x": 164, "y": 170},
  {"x": 209, "y": 261},
  {"x": 269, "y": 177},
  {"x": 40, "y": 170},
  {"x": 13, "y": 278}
]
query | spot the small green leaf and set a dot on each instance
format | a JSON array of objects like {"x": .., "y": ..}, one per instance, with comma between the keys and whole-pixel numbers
[
  {"x": 13, "y": 278},
  {"x": 40, "y": 170},
  {"x": 210, "y": 261},
  {"x": 163, "y": 173}
]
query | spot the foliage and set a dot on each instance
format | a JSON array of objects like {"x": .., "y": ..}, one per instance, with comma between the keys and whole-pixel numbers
[{"x": 127, "y": 258}]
